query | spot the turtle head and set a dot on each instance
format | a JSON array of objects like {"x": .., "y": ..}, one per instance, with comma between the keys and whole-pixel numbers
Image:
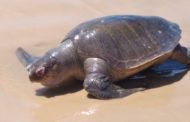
[
  {"x": 33, "y": 64},
  {"x": 47, "y": 69}
]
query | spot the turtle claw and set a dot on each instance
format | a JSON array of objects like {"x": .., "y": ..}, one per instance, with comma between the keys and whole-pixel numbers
[
  {"x": 126, "y": 92},
  {"x": 118, "y": 92}
]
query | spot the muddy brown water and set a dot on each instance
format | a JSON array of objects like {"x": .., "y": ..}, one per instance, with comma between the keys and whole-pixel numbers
[{"x": 40, "y": 25}]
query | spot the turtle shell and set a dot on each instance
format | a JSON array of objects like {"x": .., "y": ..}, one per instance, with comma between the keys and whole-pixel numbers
[{"x": 125, "y": 41}]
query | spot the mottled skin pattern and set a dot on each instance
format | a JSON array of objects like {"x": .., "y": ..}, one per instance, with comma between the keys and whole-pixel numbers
[{"x": 105, "y": 50}]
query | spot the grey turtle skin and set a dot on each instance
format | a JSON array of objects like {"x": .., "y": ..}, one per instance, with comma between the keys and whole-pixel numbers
[{"x": 105, "y": 50}]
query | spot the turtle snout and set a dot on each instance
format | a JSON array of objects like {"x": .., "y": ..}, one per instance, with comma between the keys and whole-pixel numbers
[
  {"x": 37, "y": 74},
  {"x": 33, "y": 77}
]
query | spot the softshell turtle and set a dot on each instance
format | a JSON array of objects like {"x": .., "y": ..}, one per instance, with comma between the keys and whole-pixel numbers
[{"x": 105, "y": 50}]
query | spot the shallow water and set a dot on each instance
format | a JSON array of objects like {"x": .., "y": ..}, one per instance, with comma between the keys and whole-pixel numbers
[{"x": 40, "y": 25}]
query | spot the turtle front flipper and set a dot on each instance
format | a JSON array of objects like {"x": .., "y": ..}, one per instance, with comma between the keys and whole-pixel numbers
[
  {"x": 98, "y": 84},
  {"x": 181, "y": 54},
  {"x": 25, "y": 58}
]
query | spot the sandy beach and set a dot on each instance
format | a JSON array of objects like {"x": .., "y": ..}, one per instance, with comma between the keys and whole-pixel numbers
[{"x": 41, "y": 25}]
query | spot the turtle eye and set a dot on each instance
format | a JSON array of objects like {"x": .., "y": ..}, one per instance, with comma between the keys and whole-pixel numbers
[
  {"x": 53, "y": 60},
  {"x": 54, "y": 63},
  {"x": 40, "y": 71},
  {"x": 55, "y": 66}
]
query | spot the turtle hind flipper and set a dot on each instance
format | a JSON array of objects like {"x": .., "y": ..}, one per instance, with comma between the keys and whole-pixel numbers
[{"x": 181, "y": 54}]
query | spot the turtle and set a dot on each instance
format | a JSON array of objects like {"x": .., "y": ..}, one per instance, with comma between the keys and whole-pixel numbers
[{"x": 105, "y": 50}]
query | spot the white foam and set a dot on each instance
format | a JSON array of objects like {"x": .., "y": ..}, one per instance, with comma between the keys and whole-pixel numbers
[{"x": 89, "y": 112}]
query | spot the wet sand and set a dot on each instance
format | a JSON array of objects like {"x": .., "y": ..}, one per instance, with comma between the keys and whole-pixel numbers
[{"x": 40, "y": 25}]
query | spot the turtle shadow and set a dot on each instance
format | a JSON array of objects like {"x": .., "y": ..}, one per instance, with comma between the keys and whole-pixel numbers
[
  {"x": 161, "y": 75},
  {"x": 66, "y": 88},
  {"x": 151, "y": 81},
  {"x": 165, "y": 74}
]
